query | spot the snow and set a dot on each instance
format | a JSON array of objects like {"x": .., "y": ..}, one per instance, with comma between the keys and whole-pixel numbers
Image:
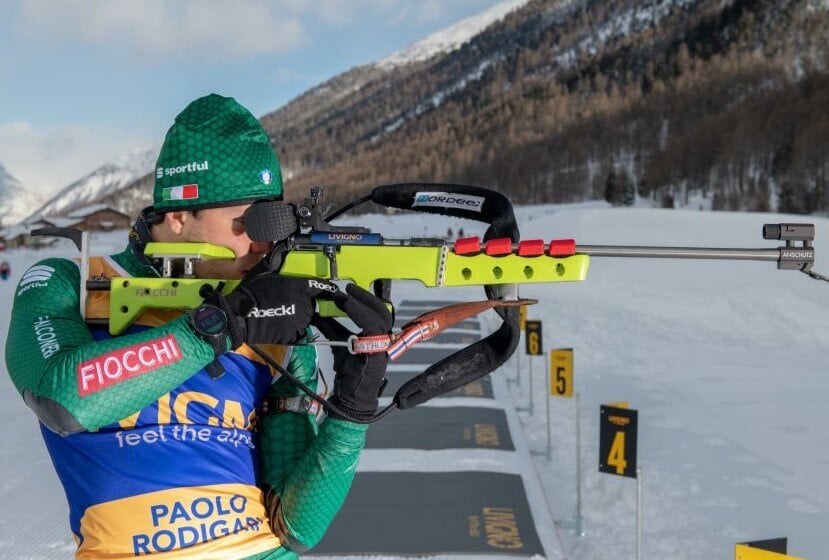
[
  {"x": 15, "y": 200},
  {"x": 725, "y": 362},
  {"x": 444, "y": 41},
  {"x": 451, "y": 38},
  {"x": 815, "y": 5},
  {"x": 63, "y": 222},
  {"x": 434, "y": 100},
  {"x": 104, "y": 180},
  {"x": 86, "y": 211},
  {"x": 459, "y": 85},
  {"x": 636, "y": 19}
]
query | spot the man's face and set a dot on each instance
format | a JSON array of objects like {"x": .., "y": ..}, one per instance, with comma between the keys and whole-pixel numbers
[{"x": 226, "y": 227}]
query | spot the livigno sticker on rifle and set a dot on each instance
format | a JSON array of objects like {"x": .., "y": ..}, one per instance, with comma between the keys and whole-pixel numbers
[{"x": 449, "y": 200}]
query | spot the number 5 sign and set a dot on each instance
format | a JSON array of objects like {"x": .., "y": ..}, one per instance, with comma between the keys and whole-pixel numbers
[
  {"x": 561, "y": 372},
  {"x": 617, "y": 440}
]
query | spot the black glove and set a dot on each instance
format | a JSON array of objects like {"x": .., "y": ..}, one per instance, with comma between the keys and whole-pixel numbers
[
  {"x": 360, "y": 377},
  {"x": 267, "y": 308}
]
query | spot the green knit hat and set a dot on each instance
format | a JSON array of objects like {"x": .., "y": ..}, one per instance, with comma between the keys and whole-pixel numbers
[{"x": 215, "y": 154}]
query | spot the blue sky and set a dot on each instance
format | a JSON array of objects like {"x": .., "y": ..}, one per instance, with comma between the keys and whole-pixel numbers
[{"x": 85, "y": 81}]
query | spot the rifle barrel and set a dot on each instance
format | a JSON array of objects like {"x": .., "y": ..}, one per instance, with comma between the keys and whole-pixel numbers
[{"x": 680, "y": 252}]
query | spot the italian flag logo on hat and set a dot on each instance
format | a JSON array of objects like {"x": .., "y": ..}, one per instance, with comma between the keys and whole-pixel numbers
[{"x": 181, "y": 192}]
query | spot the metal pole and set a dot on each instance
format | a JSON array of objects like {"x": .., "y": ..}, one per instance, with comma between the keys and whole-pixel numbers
[
  {"x": 530, "y": 407},
  {"x": 517, "y": 379},
  {"x": 84, "y": 270},
  {"x": 549, "y": 420},
  {"x": 579, "y": 528},
  {"x": 638, "y": 513},
  {"x": 679, "y": 252},
  {"x": 525, "y": 408}
]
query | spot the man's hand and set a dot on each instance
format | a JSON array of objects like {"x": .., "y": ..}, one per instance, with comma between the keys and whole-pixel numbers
[
  {"x": 360, "y": 377},
  {"x": 267, "y": 308}
]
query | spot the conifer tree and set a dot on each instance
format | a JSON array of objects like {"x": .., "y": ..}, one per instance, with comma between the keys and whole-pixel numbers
[
  {"x": 628, "y": 191},
  {"x": 613, "y": 189}
]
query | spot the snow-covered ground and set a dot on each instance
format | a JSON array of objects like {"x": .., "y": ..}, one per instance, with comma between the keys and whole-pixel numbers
[{"x": 726, "y": 363}]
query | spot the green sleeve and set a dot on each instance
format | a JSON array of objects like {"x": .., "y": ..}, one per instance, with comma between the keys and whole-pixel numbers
[
  {"x": 316, "y": 489},
  {"x": 74, "y": 383},
  {"x": 303, "y": 365},
  {"x": 309, "y": 468},
  {"x": 284, "y": 438}
]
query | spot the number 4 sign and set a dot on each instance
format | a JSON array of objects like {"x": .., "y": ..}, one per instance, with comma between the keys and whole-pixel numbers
[{"x": 617, "y": 440}]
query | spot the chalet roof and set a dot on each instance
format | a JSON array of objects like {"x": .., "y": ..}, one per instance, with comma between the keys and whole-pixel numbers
[
  {"x": 34, "y": 224},
  {"x": 60, "y": 221},
  {"x": 15, "y": 231},
  {"x": 72, "y": 219},
  {"x": 89, "y": 210}
]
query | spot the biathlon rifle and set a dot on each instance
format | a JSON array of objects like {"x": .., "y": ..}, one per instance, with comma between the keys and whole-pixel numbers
[{"x": 306, "y": 244}]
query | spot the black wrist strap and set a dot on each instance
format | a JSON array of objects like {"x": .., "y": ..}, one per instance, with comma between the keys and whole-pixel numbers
[
  {"x": 215, "y": 368},
  {"x": 219, "y": 346},
  {"x": 234, "y": 331},
  {"x": 300, "y": 404}
]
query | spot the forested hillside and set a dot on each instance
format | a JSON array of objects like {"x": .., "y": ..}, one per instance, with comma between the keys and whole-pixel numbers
[{"x": 567, "y": 101}]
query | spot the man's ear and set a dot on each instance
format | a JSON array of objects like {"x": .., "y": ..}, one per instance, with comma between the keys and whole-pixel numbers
[{"x": 175, "y": 221}]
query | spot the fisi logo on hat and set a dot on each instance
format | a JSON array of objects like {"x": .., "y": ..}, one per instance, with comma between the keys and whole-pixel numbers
[{"x": 265, "y": 176}]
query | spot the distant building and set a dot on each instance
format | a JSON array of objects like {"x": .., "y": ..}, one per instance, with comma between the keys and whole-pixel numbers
[
  {"x": 98, "y": 217},
  {"x": 55, "y": 221},
  {"x": 14, "y": 237}
]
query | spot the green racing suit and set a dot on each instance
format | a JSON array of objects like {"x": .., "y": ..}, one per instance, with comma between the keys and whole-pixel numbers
[{"x": 156, "y": 457}]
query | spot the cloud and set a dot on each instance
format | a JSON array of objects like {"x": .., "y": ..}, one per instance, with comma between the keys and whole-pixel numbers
[
  {"x": 47, "y": 160},
  {"x": 336, "y": 12},
  {"x": 345, "y": 12},
  {"x": 221, "y": 28},
  {"x": 167, "y": 27},
  {"x": 430, "y": 10}
]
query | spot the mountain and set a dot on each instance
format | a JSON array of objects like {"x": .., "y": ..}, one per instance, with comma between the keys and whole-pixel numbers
[
  {"x": 15, "y": 200},
  {"x": 667, "y": 101},
  {"x": 560, "y": 101},
  {"x": 107, "y": 179}
]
